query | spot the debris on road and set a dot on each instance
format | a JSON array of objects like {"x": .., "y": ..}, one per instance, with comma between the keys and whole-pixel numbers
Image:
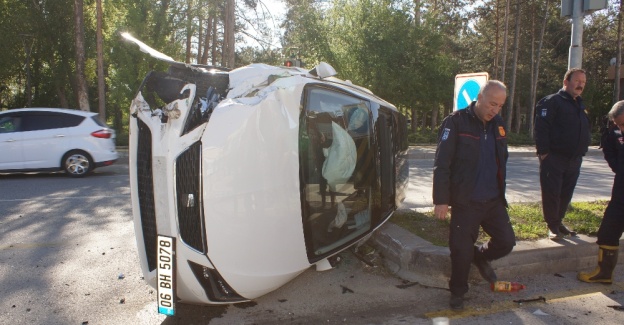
[{"x": 521, "y": 301}]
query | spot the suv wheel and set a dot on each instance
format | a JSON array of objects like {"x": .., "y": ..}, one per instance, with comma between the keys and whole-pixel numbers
[{"x": 77, "y": 163}]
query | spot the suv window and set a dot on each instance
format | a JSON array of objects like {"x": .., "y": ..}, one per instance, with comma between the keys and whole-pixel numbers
[
  {"x": 49, "y": 120},
  {"x": 99, "y": 122},
  {"x": 9, "y": 124}
]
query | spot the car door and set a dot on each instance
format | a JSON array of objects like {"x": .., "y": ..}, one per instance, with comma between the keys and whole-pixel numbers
[
  {"x": 11, "y": 142},
  {"x": 46, "y": 137}
]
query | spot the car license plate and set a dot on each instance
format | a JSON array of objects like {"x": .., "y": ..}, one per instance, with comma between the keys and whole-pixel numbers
[{"x": 165, "y": 273}]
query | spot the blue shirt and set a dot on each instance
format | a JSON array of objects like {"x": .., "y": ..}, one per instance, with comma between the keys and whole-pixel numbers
[{"x": 486, "y": 184}]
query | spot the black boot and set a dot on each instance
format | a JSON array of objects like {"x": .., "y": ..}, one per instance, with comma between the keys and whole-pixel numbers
[
  {"x": 456, "y": 302},
  {"x": 485, "y": 269},
  {"x": 607, "y": 260}
]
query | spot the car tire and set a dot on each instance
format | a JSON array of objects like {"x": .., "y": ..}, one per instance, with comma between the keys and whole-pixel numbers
[{"x": 77, "y": 163}]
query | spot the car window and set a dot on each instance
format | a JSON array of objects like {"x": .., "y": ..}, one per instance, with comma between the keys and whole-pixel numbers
[
  {"x": 99, "y": 122},
  {"x": 338, "y": 170},
  {"x": 9, "y": 124},
  {"x": 46, "y": 121}
]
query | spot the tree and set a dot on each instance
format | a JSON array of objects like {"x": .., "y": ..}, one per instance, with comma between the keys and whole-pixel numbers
[
  {"x": 100, "y": 62},
  {"x": 229, "y": 30},
  {"x": 510, "y": 106},
  {"x": 618, "y": 57},
  {"x": 536, "y": 69},
  {"x": 82, "y": 91}
]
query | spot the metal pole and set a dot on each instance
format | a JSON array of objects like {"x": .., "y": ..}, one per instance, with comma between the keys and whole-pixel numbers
[{"x": 576, "y": 44}]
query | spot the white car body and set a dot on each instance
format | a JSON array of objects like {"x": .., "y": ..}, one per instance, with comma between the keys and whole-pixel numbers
[
  {"x": 53, "y": 139},
  {"x": 237, "y": 190}
]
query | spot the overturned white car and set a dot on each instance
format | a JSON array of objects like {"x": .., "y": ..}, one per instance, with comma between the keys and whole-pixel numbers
[{"x": 243, "y": 179}]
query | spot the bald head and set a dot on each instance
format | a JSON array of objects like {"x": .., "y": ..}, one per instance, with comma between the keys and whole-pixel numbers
[{"x": 490, "y": 100}]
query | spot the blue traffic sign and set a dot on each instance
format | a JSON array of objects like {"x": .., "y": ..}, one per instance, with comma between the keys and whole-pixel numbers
[{"x": 467, "y": 93}]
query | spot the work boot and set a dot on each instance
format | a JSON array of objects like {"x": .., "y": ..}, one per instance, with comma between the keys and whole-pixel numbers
[
  {"x": 555, "y": 234},
  {"x": 456, "y": 302},
  {"x": 485, "y": 269},
  {"x": 607, "y": 260},
  {"x": 565, "y": 231}
]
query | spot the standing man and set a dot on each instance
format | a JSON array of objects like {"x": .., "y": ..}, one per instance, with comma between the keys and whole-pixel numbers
[
  {"x": 469, "y": 175},
  {"x": 612, "y": 225},
  {"x": 562, "y": 136}
]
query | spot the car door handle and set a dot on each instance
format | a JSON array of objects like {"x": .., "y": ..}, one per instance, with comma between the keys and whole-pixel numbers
[
  {"x": 59, "y": 136},
  {"x": 10, "y": 140}
]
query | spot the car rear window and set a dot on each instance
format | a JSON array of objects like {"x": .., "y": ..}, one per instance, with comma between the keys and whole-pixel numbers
[
  {"x": 46, "y": 121},
  {"x": 96, "y": 119}
]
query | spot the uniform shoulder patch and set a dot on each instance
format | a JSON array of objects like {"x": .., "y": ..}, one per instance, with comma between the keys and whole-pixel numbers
[
  {"x": 544, "y": 111},
  {"x": 446, "y": 133},
  {"x": 501, "y": 131}
]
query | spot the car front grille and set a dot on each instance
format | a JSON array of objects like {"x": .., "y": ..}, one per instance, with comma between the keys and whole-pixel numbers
[
  {"x": 145, "y": 184},
  {"x": 188, "y": 194}
]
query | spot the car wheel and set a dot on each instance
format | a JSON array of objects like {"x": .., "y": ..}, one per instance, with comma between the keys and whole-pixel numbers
[{"x": 77, "y": 163}]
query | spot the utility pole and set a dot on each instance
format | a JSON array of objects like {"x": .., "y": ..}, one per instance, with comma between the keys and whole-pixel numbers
[
  {"x": 577, "y": 9},
  {"x": 575, "y": 59}
]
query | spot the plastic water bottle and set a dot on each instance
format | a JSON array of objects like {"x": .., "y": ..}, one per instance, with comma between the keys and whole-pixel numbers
[{"x": 505, "y": 286}]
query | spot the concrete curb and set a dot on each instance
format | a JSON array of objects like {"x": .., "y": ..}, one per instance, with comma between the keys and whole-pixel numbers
[
  {"x": 428, "y": 151},
  {"x": 415, "y": 259}
]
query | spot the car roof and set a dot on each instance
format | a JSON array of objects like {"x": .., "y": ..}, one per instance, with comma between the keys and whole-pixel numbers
[{"x": 46, "y": 109}]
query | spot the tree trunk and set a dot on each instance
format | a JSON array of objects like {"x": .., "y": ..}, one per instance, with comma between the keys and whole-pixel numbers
[
  {"x": 417, "y": 12},
  {"x": 505, "y": 33},
  {"x": 512, "y": 90},
  {"x": 434, "y": 117},
  {"x": 229, "y": 28},
  {"x": 204, "y": 58},
  {"x": 189, "y": 29},
  {"x": 215, "y": 38},
  {"x": 81, "y": 80},
  {"x": 496, "y": 39},
  {"x": 531, "y": 117},
  {"x": 100, "y": 62},
  {"x": 200, "y": 36},
  {"x": 27, "y": 40},
  {"x": 618, "y": 58}
]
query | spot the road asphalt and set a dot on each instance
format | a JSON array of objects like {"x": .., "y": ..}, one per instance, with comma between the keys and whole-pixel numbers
[{"x": 415, "y": 259}]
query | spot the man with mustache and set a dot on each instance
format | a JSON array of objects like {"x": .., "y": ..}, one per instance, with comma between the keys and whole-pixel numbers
[{"x": 562, "y": 137}]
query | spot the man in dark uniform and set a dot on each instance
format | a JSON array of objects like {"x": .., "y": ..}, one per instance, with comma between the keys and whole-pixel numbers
[
  {"x": 612, "y": 225},
  {"x": 469, "y": 175},
  {"x": 562, "y": 137}
]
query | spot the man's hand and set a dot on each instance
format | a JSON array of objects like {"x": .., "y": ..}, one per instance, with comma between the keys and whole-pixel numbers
[{"x": 440, "y": 211}]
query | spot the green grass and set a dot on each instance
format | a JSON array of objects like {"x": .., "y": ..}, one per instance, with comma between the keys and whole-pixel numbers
[{"x": 526, "y": 219}]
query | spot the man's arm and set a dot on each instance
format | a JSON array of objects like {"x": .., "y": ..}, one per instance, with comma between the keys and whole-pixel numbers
[
  {"x": 609, "y": 145},
  {"x": 545, "y": 113},
  {"x": 445, "y": 153}
]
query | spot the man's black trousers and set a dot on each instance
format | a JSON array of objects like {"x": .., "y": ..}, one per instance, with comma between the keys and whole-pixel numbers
[
  {"x": 558, "y": 177},
  {"x": 464, "y": 230},
  {"x": 612, "y": 224}
]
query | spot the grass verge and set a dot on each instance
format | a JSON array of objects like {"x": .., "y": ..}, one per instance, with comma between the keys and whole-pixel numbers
[{"x": 526, "y": 219}]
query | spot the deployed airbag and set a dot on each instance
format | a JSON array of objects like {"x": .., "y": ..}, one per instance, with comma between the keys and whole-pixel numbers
[{"x": 341, "y": 157}]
